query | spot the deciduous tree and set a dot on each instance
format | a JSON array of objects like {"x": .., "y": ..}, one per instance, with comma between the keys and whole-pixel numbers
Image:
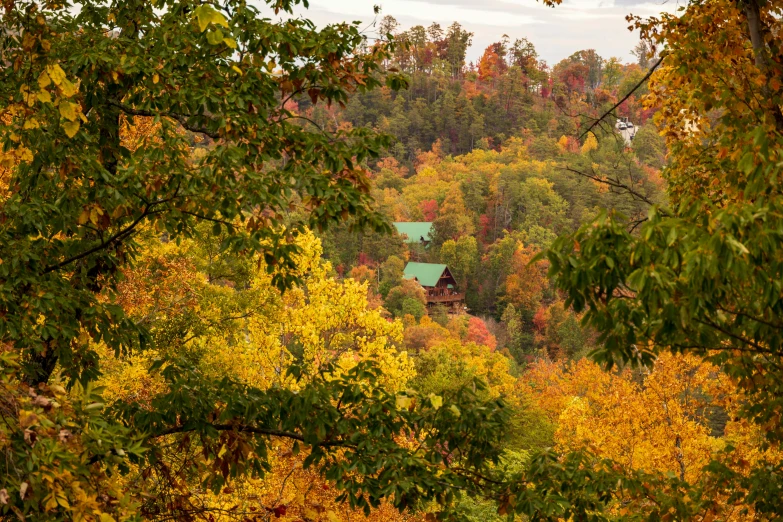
[{"x": 128, "y": 121}]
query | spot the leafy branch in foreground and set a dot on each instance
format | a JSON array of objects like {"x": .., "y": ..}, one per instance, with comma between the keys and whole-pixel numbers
[
  {"x": 372, "y": 444},
  {"x": 87, "y": 173}
]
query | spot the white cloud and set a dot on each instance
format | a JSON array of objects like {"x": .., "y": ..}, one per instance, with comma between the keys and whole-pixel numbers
[
  {"x": 427, "y": 11},
  {"x": 556, "y": 32}
]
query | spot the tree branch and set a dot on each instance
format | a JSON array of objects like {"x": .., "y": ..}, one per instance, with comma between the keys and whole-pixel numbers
[
  {"x": 205, "y": 218},
  {"x": 616, "y": 105},
  {"x": 182, "y": 119},
  {"x": 104, "y": 244},
  {"x": 751, "y": 317},
  {"x": 757, "y": 348},
  {"x": 615, "y": 184},
  {"x": 258, "y": 431},
  {"x": 755, "y": 29}
]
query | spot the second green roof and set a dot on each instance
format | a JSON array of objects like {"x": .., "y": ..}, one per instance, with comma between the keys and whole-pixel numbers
[{"x": 416, "y": 230}]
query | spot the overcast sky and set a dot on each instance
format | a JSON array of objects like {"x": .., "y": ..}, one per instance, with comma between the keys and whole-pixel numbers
[{"x": 556, "y": 33}]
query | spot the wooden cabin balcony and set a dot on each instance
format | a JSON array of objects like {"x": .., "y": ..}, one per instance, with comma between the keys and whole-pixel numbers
[{"x": 446, "y": 297}]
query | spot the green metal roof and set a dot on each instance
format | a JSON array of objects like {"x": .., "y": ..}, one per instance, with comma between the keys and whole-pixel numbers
[
  {"x": 414, "y": 230},
  {"x": 427, "y": 274}
]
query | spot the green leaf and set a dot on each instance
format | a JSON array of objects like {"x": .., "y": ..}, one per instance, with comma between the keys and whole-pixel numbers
[
  {"x": 672, "y": 237},
  {"x": 747, "y": 163},
  {"x": 215, "y": 37},
  {"x": 737, "y": 245}
]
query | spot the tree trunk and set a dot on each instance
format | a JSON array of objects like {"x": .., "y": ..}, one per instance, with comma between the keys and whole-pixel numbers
[{"x": 756, "y": 32}]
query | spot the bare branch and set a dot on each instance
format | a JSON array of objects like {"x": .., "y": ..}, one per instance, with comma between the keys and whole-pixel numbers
[
  {"x": 616, "y": 184},
  {"x": 635, "y": 88}
]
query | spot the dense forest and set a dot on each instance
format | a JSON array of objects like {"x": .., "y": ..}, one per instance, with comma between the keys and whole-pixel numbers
[
  {"x": 256, "y": 270},
  {"x": 489, "y": 154}
]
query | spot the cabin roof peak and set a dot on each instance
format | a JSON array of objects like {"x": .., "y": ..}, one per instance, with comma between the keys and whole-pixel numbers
[{"x": 427, "y": 274}]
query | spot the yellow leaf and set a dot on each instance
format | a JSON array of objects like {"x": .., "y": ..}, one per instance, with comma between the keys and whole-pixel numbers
[
  {"x": 27, "y": 95},
  {"x": 206, "y": 15},
  {"x": 155, "y": 78},
  {"x": 32, "y": 123},
  {"x": 71, "y": 128},
  {"x": 105, "y": 517},
  {"x": 24, "y": 154},
  {"x": 237, "y": 69},
  {"x": 44, "y": 97},
  {"x": 56, "y": 74},
  {"x": 67, "y": 88},
  {"x": 62, "y": 500},
  {"x": 332, "y": 516},
  {"x": 230, "y": 42},
  {"x": 436, "y": 400},
  {"x": 44, "y": 80},
  {"x": 51, "y": 503},
  {"x": 68, "y": 111},
  {"x": 84, "y": 216},
  {"x": 403, "y": 402},
  {"x": 222, "y": 451},
  {"x": 311, "y": 513}
]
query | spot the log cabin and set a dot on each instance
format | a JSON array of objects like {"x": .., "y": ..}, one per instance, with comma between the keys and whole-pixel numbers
[{"x": 438, "y": 283}]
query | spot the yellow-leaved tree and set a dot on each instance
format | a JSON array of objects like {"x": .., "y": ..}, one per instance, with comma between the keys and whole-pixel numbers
[
  {"x": 249, "y": 331},
  {"x": 321, "y": 320},
  {"x": 675, "y": 417}
]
